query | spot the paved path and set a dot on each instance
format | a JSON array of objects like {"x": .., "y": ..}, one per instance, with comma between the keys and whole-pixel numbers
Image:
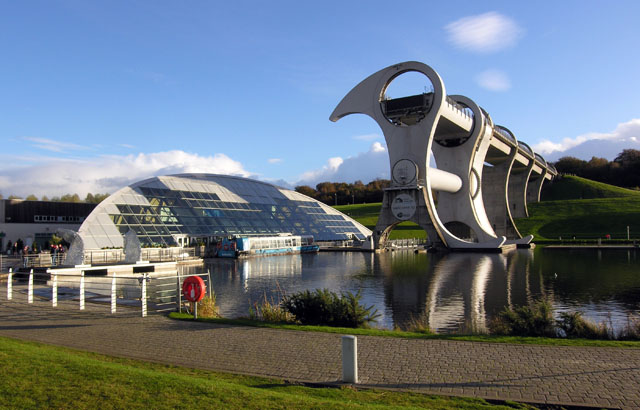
[{"x": 605, "y": 377}]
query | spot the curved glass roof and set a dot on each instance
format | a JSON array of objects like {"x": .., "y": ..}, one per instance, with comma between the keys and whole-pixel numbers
[{"x": 162, "y": 209}]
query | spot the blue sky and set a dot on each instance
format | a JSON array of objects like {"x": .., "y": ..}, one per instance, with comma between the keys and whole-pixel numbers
[{"x": 96, "y": 95}]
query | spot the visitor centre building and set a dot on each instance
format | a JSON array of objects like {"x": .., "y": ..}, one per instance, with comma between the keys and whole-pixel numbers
[{"x": 180, "y": 210}]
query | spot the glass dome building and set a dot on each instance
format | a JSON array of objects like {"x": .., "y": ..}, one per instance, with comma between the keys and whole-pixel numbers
[{"x": 178, "y": 210}]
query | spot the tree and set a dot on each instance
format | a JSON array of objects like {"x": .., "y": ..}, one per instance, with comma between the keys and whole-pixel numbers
[
  {"x": 571, "y": 165},
  {"x": 44, "y": 198},
  {"x": 95, "y": 199},
  {"x": 306, "y": 190},
  {"x": 14, "y": 197},
  {"x": 628, "y": 157},
  {"x": 31, "y": 198},
  {"x": 70, "y": 198}
]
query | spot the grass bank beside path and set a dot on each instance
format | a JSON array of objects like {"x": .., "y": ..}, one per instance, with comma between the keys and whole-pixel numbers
[
  {"x": 34, "y": 375},
  {"x": 550, "y": 341}
]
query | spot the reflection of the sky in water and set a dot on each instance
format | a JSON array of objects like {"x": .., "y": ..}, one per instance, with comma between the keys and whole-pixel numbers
[{"x": 457, "y": 291}]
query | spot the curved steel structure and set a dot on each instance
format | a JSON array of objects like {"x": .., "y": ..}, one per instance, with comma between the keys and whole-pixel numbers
[{"x": 484, "y": 175}]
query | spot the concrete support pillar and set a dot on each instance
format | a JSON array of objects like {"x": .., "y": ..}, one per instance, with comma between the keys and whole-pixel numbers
[
  {"x": 495, "y": 184},
  {"x": 414, "y": 210},
  {"x": 534, "y": 187},
  {"x": 518, "y": 190}
]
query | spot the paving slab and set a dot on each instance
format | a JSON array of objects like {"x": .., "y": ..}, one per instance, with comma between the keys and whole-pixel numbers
[{"x": 585, "y": 376}]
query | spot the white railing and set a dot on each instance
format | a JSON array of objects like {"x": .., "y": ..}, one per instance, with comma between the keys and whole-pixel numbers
[
  {"x": 406, "y": 243},
  {"x": 103, "y": 256},
  {"x": 160, "y": 292}
]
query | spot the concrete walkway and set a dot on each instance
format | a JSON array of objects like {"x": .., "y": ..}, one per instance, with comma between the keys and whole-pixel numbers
[{"x": 586, "y": 376}]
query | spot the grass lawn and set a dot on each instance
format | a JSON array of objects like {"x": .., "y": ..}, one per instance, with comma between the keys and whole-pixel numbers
[
  {"x": 417, "y": 335},
  {"x": 40, "y": 376}
]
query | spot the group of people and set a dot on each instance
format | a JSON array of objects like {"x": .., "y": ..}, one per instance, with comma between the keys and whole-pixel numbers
[{"x": 19, "y": 248}]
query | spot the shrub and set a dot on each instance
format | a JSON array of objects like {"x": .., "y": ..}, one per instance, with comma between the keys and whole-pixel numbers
[
  {"x": 269, "y": 311},
  {"x": 631, "y": 330},
  {"x": 533, "y": 320},
  {"x": 207, "y": 306},
  {"x": 573, "y": 325},
  {"x": 323, "y": 307},
  {"x": 418, "y": 324}
]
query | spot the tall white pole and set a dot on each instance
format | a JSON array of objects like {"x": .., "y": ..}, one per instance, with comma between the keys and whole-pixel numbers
[
  {"x": 10, "y": 284},
  {"x": 81, "y": 290},
  {"x": 113, "y": 293},
  {"x": 627, "y": 232},
  {"x": 54, "y": 290},
  {"x": 144, "y": 295},
  {"x": 30, "y": 288}
]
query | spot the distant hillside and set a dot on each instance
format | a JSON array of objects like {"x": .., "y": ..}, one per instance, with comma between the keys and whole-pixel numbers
[{"x": 572, "y": 187}]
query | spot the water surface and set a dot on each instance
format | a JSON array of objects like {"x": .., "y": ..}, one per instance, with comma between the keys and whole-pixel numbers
[{"x": 452, "y": 292}]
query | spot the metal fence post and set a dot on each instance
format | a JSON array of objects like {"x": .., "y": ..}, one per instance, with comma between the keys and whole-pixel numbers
[
  {"x": 81, "y": 290},
  {"x": 209, "y": 274},
  {"x": 54, "y": 290},
  {"x": 349, "y": 359},
  {"x": 10, "y": 284},
  {"x": 30, "y": 288},
  {"x": 113, "y": 293},
  {"x": 143, "y": 298}
]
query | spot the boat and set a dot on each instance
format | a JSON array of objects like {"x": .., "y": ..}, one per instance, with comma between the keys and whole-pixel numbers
[{"x": 283, "y": 244}]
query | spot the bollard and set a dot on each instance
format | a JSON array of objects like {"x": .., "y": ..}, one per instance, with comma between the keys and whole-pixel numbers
[
  {"x": 30, "y": 288},
  {"x": 10, "y": 284},
  {"x": 143, "y": 298},
  {"x": 81, "y": 290},
  {"x": 113, "y": 293},
  {"x": 349, "y": 359},
  {"x": 54, "y": 290}
]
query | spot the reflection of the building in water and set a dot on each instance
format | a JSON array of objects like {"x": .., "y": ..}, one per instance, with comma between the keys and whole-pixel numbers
[{"x": 457, "y": 291}]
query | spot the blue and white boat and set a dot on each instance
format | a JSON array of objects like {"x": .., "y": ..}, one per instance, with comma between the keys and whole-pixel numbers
[{"x": 242, "y": 246}]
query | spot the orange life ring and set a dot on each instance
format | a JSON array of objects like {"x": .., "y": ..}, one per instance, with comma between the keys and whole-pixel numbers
[
  {"x": 226, "y": 247},
  {"x": 219, "y": 245}
]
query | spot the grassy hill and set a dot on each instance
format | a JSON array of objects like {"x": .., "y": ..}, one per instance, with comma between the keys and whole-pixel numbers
[
  {"x": 571, "y": 206},
  {"x": 572, "y": 187}
]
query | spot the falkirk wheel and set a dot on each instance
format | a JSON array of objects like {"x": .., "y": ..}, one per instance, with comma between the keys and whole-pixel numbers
[{"x": 484, "y": 176}]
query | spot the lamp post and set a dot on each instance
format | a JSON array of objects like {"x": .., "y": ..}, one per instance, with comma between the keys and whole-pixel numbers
[{"x": 336, "y": 196}]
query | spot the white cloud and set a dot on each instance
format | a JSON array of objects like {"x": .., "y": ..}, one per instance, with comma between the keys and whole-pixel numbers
[
  {"x": 367, "y": 137},
  {"x": 52, "y": 145},
  {"x": 51, "y": 176},
  {"x": 274, "y": 160},
  {"x": 366, "y": 166},
  {"x": 493, "y": 80},
  {"x": 484, "y": 33},
  {"x": 626, "y": 131}
]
